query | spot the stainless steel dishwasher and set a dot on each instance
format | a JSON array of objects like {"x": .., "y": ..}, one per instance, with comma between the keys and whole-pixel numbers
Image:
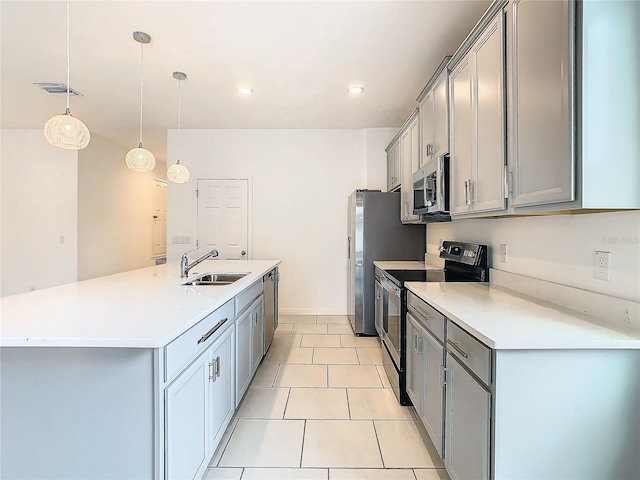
[{"x": 270, "y": 281}]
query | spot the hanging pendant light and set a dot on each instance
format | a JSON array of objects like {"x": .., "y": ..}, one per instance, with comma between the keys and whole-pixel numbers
[
  {"x": 66, "y": 131},
  {"x": 178, "y": 173},
  {"x": 139, "y": 159}
]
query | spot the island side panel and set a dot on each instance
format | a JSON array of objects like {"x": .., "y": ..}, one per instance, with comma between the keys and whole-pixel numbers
[
  {"x": 570, "y": 414},
  {"x": 77, "y": 413}
]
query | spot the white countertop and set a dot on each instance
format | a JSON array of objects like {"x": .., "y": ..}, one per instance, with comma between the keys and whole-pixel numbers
[
  {"x": 143, "y": 308},
  {"x": 405, "y": 265},
  {"x": 504, "y": 319}
]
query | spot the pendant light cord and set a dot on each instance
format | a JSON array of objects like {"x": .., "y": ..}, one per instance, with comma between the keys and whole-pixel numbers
[
  {"x": 141, "y": 86},
  {"x": 179, "y": 116},
  {"x": 68, "y": 61}
]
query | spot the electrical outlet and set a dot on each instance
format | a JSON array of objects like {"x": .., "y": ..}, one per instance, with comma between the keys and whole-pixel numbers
[
  {"x": 503, "y": 252},
  {"x": 602, "y": 265}
]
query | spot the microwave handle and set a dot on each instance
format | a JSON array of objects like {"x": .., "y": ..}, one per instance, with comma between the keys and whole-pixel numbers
[{"x": 440, "y": 180}]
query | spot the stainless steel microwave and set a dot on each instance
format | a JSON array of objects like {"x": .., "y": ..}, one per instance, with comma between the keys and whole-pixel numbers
[{"x": 431, "y": 190}]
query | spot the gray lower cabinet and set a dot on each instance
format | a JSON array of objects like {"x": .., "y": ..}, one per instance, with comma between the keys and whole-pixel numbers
[
  {"x": 425, "y": 367},
  {"x": 257, "y": 333},
  {"x": 467, "y": 450},
  {"x": 433, "y": 418},
  {"x": 415, "y": 364},
  {"x": 199, "y": 405},
  {"x": 249, "y": 331}
]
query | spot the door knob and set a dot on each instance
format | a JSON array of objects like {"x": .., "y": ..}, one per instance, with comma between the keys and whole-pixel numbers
[{"x": 243, "y": 252}]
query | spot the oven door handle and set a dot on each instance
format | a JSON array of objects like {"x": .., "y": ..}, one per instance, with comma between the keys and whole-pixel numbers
[{"x": 389, "y": 287}]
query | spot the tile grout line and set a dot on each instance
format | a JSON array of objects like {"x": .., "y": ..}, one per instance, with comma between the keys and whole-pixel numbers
[
  {"x": 378, "y": 442},
  {"x": 286, "y": 404},
  {"x": 346, "y": 391},
  {"x": 228, "y": 441},
  {"x": 304, "y": 432}
]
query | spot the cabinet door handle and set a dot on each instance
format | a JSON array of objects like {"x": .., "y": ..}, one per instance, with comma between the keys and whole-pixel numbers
[
  {"x": 419, "y": 344},
  {"x": 212, "y": 372},
  {"x": 206, "y": 336},
  {"x": 217, "y": 366},
  {"x": 471, "y": 192},
  {"x": 458, "y": 349},
  {"x": 466, "y": 193}
]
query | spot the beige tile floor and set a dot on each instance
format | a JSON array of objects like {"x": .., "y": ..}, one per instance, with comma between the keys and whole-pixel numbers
[{"x": 320, "y": 407}]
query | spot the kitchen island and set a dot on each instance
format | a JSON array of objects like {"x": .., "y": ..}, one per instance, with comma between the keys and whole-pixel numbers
[{"x": 131, "y": 375}]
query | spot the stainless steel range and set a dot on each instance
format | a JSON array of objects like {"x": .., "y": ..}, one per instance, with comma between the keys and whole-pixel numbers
[{"x": 463, "y": 262}]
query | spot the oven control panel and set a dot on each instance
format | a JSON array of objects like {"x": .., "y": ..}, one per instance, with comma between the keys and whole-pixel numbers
[{"x": 467, "y": 253}]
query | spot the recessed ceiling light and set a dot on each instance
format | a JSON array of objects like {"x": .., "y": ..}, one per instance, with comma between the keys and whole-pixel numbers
[
  {"x": 356, "y": 90},
  {"x": 245, "y": 91}
]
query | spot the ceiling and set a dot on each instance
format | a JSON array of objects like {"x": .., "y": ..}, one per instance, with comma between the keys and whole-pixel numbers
[{"x": 298, "y": 56}]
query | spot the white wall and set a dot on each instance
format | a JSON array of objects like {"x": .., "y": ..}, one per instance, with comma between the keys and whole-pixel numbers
[
  {"x": 301, "y": 180},
  {"x": 377, "y": 141},
  {"x": 115, "y": 211},
  {"x": 38, "y": 244},
  {"x": 557, "y": 248}
]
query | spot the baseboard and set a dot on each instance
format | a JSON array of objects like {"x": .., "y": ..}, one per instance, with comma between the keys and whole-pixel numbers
[{"x": 310, "y": 311}]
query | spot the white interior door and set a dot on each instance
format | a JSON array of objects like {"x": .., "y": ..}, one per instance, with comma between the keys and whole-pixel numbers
[
  {"x": 159, "y": 229},
  {"x": 223, "y": 217}
]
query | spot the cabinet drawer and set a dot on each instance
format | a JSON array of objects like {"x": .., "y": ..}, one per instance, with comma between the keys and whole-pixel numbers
[
  {"x": 472, "y": 353},
  {"x": 184, "y": 349},
  {"x": 428, "y": 316},
  {"x": 248, "y": 295}
]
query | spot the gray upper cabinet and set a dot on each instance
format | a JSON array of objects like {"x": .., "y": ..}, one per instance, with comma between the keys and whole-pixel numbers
[
  {"x": 410, "y": 155},
  {"x": 393, "y": 165},
  {"x": 403, "y": 157},
  {"x": 478, "y": 123},
  {"x": 542, "y": 156},
  {"x": 461, "y": 136},
  {"x": 427, "y": 126},
  {"x": 574, "y": 114},
  {"x": 434, "y": 114}
]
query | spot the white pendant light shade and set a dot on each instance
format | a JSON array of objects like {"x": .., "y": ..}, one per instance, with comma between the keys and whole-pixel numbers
[
  {"x": 65, "y": 131},
  {"x": 140, "y": 159},
  {"x": 178, "y": 173}
]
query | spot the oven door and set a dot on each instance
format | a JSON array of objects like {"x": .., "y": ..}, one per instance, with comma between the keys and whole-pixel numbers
[{"x": 391, "y": 319}]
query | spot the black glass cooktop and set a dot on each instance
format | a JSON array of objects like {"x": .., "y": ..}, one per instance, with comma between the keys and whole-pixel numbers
[{"x": 399, "y": 277}]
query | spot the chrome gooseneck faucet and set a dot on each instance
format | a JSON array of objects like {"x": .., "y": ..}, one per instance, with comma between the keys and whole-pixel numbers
[{"x": 185, "y": 266}]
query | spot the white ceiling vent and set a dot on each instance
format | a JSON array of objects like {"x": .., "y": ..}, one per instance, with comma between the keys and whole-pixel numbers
[{"x": 59, "y": 89}]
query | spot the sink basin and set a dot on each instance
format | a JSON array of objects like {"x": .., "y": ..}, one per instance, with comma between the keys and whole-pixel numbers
[{"x": 216, "y": 279}]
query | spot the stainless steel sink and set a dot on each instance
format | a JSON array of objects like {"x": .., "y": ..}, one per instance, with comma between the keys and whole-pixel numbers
[{"x": 216, "y": 279}]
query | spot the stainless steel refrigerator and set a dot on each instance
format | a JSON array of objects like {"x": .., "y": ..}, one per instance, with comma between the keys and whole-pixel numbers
[{"x": 375, "y": 233}]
